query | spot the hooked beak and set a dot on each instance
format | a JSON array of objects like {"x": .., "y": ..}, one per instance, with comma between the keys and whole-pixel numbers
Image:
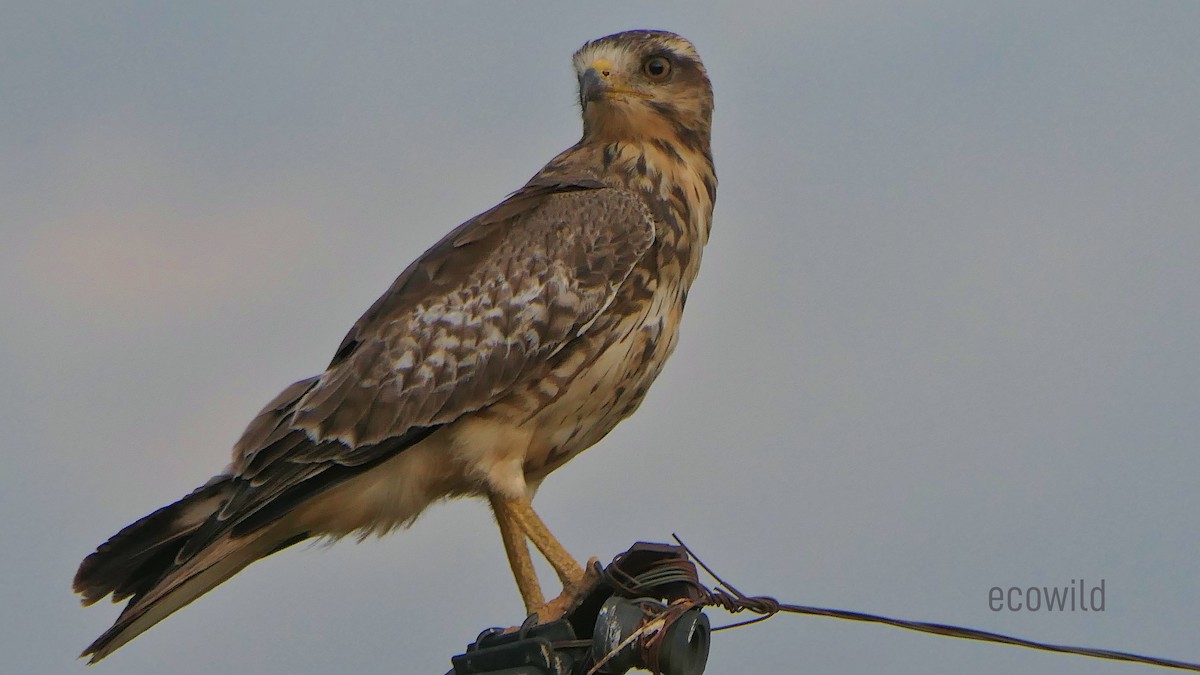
[
  {"x": 600, "y": 81},
  {"x": 592, "y": 86}
]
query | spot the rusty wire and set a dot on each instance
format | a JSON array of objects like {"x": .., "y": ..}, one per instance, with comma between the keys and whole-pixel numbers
[
  {"x": 658, "y": 618},
  {"x": 730, "y": 599}
]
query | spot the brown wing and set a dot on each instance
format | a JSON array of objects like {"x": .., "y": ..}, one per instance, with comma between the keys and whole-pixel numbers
[
  {"x": 477, "y": 312},
  {"x": 480, "y": 310}
]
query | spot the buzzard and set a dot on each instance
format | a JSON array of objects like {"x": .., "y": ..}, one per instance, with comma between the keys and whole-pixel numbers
[{"x": 513, "y": 344}]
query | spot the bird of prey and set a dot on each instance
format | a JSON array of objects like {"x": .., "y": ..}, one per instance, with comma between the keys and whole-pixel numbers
[{"x": 513, "y": 344}]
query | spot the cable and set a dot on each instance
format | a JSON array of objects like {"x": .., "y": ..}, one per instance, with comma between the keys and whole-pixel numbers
[{"x": 729, "y": 598}]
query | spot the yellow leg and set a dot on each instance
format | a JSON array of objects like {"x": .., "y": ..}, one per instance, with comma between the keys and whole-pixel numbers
[
  {"x": 569, "y": 572},
  {"x": 518, "y": 521},
  {"x": 518, "y": 555}
]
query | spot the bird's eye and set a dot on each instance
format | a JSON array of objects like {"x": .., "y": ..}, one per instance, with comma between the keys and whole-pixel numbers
[{"x": 657, "y": 67}]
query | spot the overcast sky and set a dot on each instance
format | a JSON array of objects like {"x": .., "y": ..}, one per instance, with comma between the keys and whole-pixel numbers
[{"x": 945, "y": 337}]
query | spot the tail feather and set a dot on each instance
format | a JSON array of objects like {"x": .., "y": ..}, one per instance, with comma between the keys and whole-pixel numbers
[
  {"x": 139, "y": 553},
  {"x": 143, "y": 561},
  {"x": 217, "y": 563}
]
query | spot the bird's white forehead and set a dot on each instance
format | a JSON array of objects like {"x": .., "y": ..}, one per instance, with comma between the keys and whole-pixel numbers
[
  {"x": 627, "y": 49},
  {"x": 621, "y": 58}
]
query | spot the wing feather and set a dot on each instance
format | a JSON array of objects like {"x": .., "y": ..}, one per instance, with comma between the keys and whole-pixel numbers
[
  {"x": 504, "y": 294},
  {"x": 488, "y": 305}
]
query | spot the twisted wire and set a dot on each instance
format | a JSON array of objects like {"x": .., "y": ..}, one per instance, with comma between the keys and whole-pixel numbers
[{"x": 729, "y": 598}]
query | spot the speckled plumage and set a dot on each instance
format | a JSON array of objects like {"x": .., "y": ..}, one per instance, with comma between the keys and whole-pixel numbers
[{"x": 510, "y": 346}]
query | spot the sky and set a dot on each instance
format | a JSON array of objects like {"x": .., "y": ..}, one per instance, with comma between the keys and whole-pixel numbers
[{"x": 944, "y": 338}]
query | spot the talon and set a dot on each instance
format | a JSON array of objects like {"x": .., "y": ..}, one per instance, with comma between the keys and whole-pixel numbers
[{"x": 572, "y": 594}]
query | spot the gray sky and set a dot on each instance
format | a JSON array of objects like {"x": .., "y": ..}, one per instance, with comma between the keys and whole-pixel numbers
[{"x": 945, "y": 336}]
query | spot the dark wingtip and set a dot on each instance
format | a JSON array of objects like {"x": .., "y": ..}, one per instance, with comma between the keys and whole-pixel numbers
[
  {"x": 138, "y": 554},
  {"x": 93, "y": 652},
  {"x": 96, "y": 651}
]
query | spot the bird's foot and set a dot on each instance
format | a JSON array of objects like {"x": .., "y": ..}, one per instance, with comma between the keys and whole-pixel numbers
[{"x": 573, "y": 593}]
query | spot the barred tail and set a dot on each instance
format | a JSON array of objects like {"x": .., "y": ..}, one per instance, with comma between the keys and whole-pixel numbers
[{"x": 142, "y": 562}]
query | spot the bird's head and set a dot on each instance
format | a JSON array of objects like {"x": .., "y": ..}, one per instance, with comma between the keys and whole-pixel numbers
[{"x": 641, "y": 85}]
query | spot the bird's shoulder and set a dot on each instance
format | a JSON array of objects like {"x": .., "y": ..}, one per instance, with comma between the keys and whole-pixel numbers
[
  {"x": 577, "y": 227},
  {"x": 479, "y": 311}
]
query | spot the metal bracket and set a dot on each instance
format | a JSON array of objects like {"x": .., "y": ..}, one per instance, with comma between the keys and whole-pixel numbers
[{"x": 641, "y": 614}]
